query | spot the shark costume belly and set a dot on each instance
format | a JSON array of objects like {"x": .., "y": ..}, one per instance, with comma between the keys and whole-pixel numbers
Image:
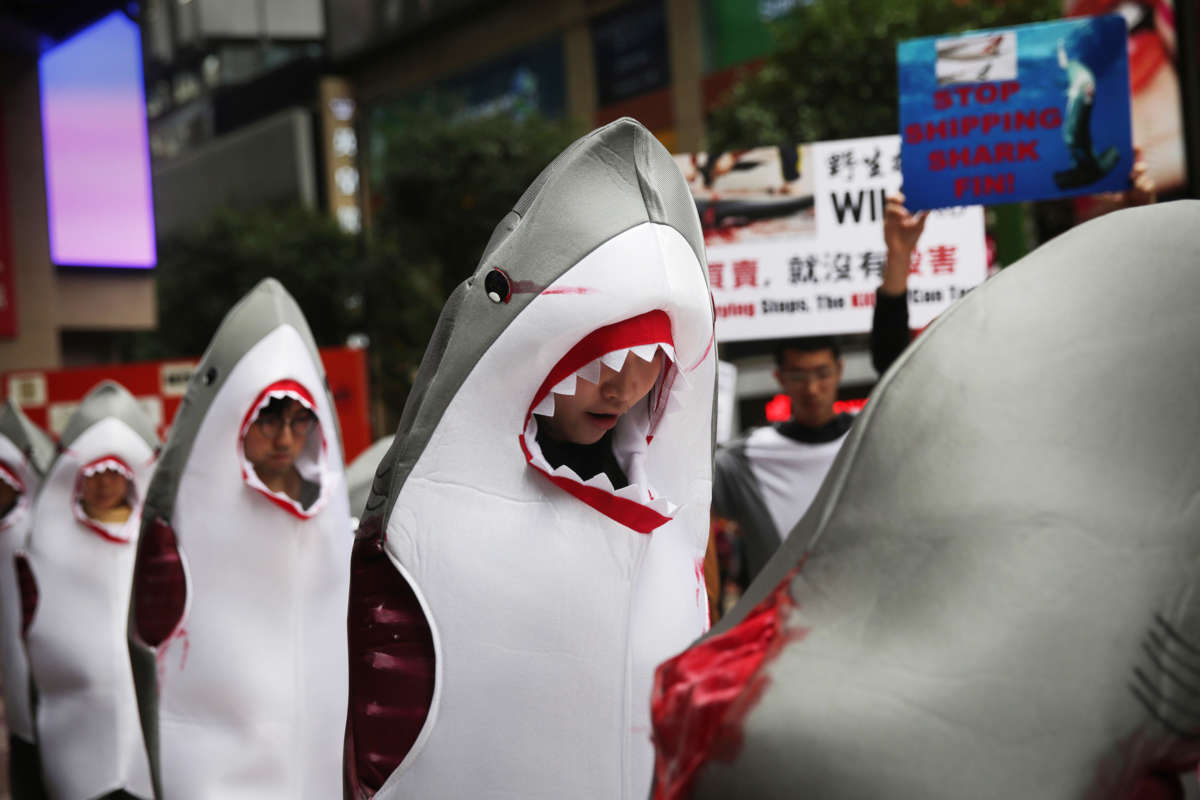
[
  {"x": 237, "y": 628},
  {"x": 996, "y": 593},
  {"x": 547, "y": 598},
  {"x": 25, "y": 453},
  {"x": 87, "y": 720}
]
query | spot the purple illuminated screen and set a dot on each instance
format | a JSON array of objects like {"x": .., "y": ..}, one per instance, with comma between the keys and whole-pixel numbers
[{"x": 96, "y": 154}]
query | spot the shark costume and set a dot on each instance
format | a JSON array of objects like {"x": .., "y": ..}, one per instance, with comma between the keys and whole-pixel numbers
[
  {"x": 76, "y": 575},
  {"x": 25, "y": 453},
  {"x": 546, "y": 599},
  {"x": 238, "y": 621},
  {"x": 995, "y": 593}
]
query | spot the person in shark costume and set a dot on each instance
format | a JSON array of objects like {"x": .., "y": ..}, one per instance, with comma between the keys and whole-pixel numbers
[
  {"x": 75, "y": 594},
  {"x": 545, "y": 598},
  {"x": 995, "y": 593},
  {"x": 25, "y": 454},
  {"x": 237, "y": 627}
]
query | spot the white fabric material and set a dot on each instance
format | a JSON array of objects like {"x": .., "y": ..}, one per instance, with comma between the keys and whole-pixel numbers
[
  {"x": 14, "y": 533},
  {"x": 252, "y": 689},
  {"x": 788, "y": 473},
  {"x": 546, "y": 694},
  {"x": 87, "y": 715}
]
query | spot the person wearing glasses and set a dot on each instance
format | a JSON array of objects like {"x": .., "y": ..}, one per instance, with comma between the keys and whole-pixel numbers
[
  {"x": 765, "y": 481},
  {"x": 273, "y": 443}
]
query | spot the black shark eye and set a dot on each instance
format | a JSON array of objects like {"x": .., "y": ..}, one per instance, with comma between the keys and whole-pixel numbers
[
  {"x": 497, "y": 286},
  {"x": 210, "y": 376}
]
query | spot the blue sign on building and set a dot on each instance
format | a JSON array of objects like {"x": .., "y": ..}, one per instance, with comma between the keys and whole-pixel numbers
[{"x": 1026, "y": 113}]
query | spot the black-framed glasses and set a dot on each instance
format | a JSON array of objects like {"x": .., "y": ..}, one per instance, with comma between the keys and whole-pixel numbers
[{"x": 270, "y": 425}]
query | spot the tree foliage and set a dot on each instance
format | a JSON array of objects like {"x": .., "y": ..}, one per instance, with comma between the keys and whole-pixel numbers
[
  {"x": 833, "y": 72},
  {"x": 442, "y": 179}
]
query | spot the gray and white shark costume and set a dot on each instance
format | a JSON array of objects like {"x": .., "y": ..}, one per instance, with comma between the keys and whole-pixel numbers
[
  {"x": 87, "y": 717},
  {"x": 25, "y": 454},
  {"x": 238, "y": 623},
  {"x": 548, "y": 599},
  {"x": 996, "y": 593}
]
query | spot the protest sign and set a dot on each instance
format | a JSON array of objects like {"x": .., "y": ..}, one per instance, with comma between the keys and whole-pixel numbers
[
  {"x": 1033, "y": 112},
  {"x": 795, "y": 239}
]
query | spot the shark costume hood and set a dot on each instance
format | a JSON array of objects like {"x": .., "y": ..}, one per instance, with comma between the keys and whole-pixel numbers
[
  {"x": 996, "y": 593},
  {"x": 25, "y": 453},
  {"x": 237, "y": 626},
  {"x": 75, "y": 594},
  {"x": 548, "y": 598}
]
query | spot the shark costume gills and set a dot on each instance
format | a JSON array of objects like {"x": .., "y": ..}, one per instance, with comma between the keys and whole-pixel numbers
[
  {"x": 996, "y": 592},
  {"x": 25, "y": 453},
  {"x": 80, "y": 568},
  {"x": 238, "y": 621},
  {"x": 548, "y": 599}
]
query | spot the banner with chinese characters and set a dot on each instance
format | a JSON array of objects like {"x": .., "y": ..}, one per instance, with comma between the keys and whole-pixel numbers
[
  {"x": 795, "y": 239},
  {"x": 1027, "y": 113}
]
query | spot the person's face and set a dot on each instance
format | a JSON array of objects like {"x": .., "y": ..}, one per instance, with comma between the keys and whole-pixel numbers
[
  {"x": 104, "y": 491},
  {"x": 810, "y": 379},
  {"x": 276, "y": 438},
  {"x": 584, "y": 418}
]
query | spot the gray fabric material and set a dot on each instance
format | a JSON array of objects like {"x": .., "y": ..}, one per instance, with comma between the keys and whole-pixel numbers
[
  {"x": 108, "y": 399},
  {"x": 999, "y": 585},
  {"x": 736, "y": 496},
  {"x": 266, "y": 307},
  {"x": 551, "y": 228},
  {"x": 361, "y": 471},
  {"x": 29, "y": 438}
]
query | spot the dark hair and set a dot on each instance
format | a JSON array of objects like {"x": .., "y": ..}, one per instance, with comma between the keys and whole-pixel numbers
[{"x": 807, "y": 344}]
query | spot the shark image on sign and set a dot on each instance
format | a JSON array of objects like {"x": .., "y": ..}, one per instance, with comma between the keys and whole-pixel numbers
[{"x": 977, "y": 58}]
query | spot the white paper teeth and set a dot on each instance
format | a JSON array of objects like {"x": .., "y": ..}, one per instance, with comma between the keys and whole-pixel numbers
[
  {"x": 566, "y": 472},
  {"x": 546, "y": 407},
  {"x": 675, "y": 403},
  {"x": 645, "y": 351},
  {"x": 106, "y": 466},
  {"x": 663, "y": 506},
  {"x": 590, "y": 372},
  {"x": 565, "y": 387},
  {"x": 669, "y": 352},
  {"x": 633, "y": 492},
  {"x": 10, "y": 480},
  {"x": 599, "y": 481},
  {"x": 615, "y": 360}
]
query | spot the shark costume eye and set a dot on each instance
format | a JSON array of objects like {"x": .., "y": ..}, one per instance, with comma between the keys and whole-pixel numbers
[
  {"x": 497, "y": 286},
  {"x": 210, "y": 376}
]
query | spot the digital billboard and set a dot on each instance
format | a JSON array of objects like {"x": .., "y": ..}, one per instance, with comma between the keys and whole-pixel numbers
[{"x": 99, "y": 200}]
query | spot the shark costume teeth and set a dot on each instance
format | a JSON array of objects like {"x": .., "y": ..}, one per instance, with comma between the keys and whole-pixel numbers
[
  {"x": 24, "y": 454},
  {"x": 996, "y": 591},
  {"x": 237, "y": 626},
  {"x": 77, "y": 572},
  {"x": 545, "y": 600}
]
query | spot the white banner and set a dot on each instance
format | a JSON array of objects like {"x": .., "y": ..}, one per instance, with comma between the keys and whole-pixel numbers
[{"x": 795, "y": 239}]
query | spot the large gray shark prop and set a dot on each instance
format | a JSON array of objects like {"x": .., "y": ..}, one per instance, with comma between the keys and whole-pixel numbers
[
  {"x": 547, "y": 598},
  {"x": 25, "y": 454},
  {"x": 996, "y": 593},
  {"x": 238, "y": 621},
  {"x": 76, "y": 573}
]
